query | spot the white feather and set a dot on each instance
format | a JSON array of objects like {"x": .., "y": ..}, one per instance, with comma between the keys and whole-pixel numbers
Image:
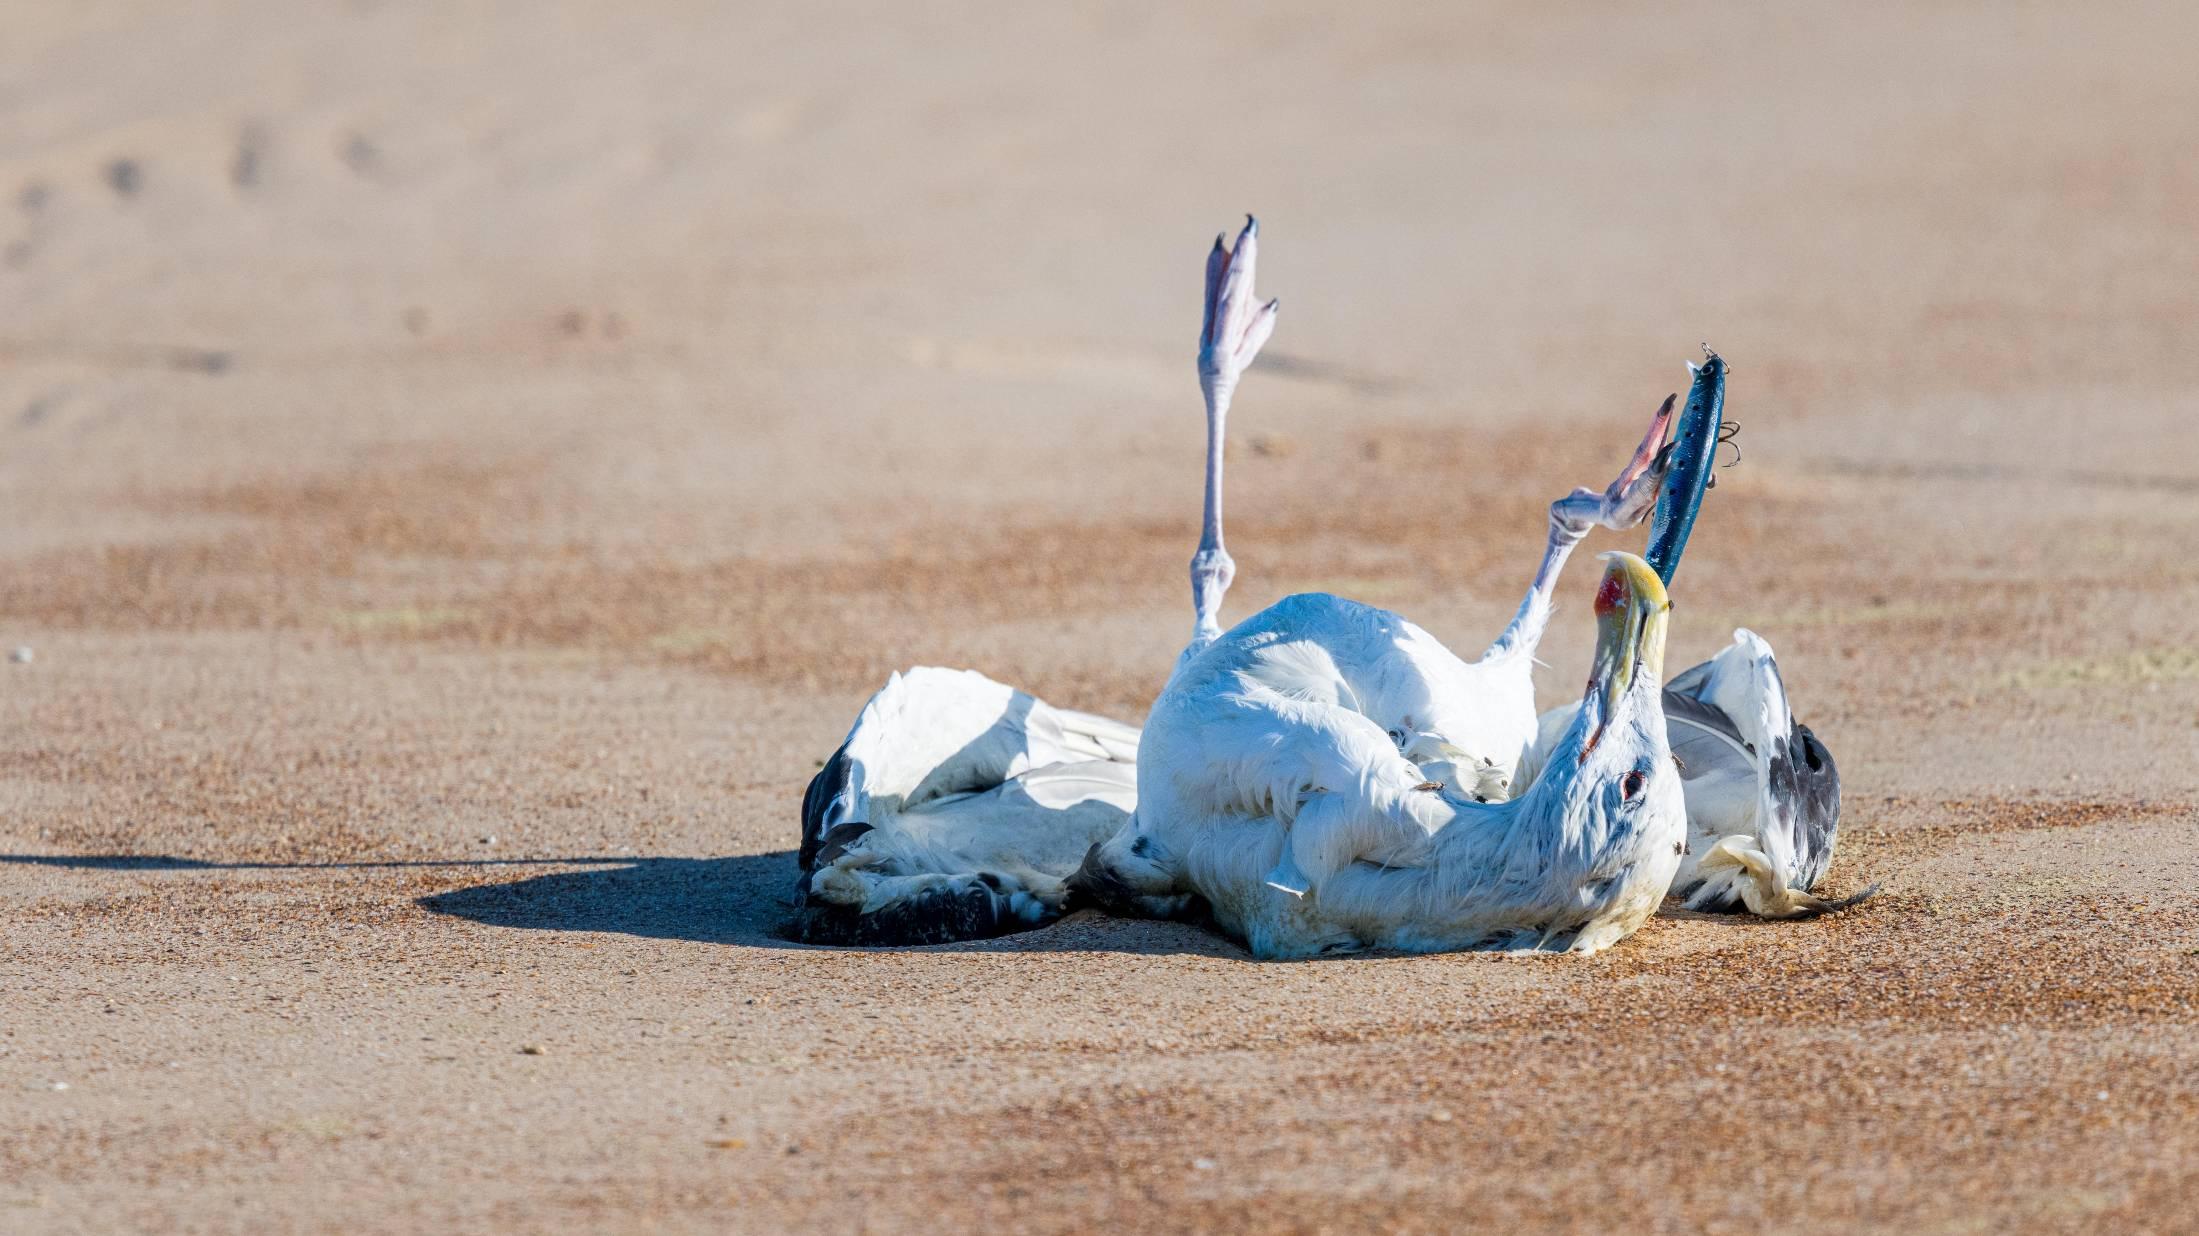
[
  {"x": 959, "y": 776},
  {"x": 1257, "y": 774}
]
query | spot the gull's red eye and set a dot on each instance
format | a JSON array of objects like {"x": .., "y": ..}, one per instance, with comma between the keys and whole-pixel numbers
[{"x": 1631, "y": 788}]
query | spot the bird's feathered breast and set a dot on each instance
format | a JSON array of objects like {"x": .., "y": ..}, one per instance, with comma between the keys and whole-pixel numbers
[{"x": 1324, "y": 649}]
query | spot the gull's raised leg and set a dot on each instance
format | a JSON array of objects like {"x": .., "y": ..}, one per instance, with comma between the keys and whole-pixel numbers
[
  {"x": 1233, "y": 328},
  {"x": 1623, "y": 504}
]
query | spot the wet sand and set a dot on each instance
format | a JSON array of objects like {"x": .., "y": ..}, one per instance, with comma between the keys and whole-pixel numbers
[{"x": 464, "y": 472}]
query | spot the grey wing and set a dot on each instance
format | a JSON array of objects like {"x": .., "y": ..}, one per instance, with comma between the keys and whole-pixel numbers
[
  {"x": 1718, "y": 767},
  {"x": 827, "y": 804},
  {"x": 1751, "y": 769},
  {"x": 1816, "y": 803}
]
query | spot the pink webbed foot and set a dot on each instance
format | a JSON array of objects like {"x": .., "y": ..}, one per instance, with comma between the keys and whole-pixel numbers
[
  {"x": 1629, "y": 499},
  {"x": 1235, "y": 323}
]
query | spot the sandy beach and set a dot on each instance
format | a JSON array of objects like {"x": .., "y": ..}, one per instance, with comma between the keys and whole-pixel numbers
[{"x": 465, "y": 467}]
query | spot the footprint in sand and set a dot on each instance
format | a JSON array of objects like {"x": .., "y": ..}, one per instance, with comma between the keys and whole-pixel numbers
[
  {"x": 39, "y": 410},
  {"x": 245, "y": 165},
  {"x": 30, "y": 202},
  {"x": 126, "y": 177},
  {"x": 581, "y": 324},
  {"x": 361, "y": 155}
]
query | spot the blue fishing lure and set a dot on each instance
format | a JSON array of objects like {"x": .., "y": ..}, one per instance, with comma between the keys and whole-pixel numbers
[{"x": 1694, "y": 455}]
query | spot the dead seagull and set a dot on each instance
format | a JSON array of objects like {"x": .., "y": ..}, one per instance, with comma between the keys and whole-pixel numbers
[
  {"x": 1244, "y": 777},
  {"x": 957, "y": 807}
]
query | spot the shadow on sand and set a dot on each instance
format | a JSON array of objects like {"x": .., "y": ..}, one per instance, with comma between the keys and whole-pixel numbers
[
  {"x": 704, "y": 900},
  {"x": 748, "y": 900},
  {"x": 741, "y": 900}
]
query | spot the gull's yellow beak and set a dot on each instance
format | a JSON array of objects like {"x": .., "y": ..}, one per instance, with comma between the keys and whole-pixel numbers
[{"x": 1632, "y": 612}]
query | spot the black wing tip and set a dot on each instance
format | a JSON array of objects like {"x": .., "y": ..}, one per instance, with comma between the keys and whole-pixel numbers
[
  {"x": 1730, "y": 902},
  {"x": 1816, "y": 802},
  {"x": 829, "y": 783},
  {"x": 975, "y": 911},
  {"x": 1853, "y": 899},
  {"x": 1727, "y": 902}
]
